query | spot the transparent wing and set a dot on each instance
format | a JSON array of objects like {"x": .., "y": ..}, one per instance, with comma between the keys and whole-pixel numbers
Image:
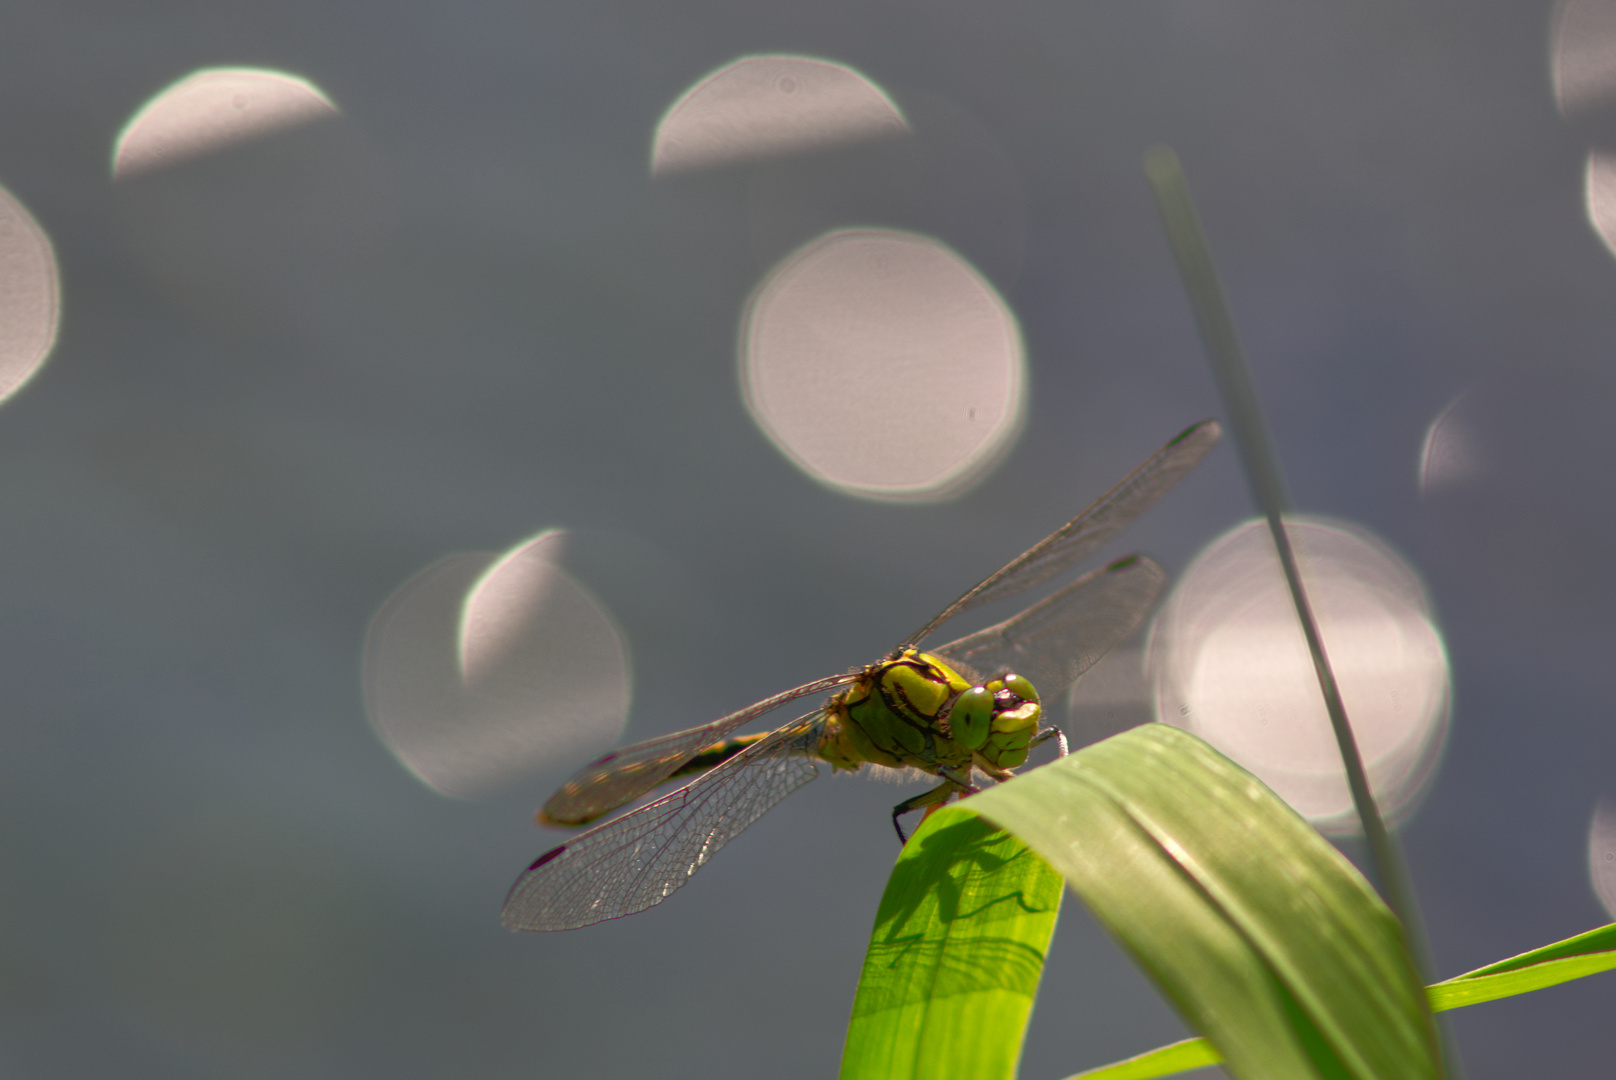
[
  {"x": 1084, "y": 534},
  {"x": 1059, "y": 638},
  {"x": 639, "y": 859},
  {"x": 625, "y": 774}
]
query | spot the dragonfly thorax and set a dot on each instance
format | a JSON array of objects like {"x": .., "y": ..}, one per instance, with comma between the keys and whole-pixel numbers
[{"x": 915, "y": 710}]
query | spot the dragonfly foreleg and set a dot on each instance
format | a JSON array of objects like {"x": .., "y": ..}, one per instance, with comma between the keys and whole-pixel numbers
[
  {"x": 925, "y": 800},
  {"x": 1051, "y": 733},
  {"x": 961, "y": 778}
]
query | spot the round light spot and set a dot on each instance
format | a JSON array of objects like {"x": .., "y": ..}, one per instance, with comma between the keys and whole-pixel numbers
[
  {"x": 30, "y": 296},
  {"x": 1231, "y": 665},
  {"x": 1582, "y": 55},
  {"x": 761, "y": 107},
  {"x": 212, "y": 109},
  {"x": 883, "y": 365},
  {"x": 1602, "y": 853},
  {"x": 482, "y": 670}
]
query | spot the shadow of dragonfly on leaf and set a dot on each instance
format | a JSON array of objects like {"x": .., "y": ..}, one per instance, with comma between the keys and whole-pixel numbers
[{"x": 969, "y": 908}]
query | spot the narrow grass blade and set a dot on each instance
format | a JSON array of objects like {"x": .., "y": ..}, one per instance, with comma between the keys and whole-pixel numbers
[
  {"x": 1261, "y": 464},
  {"x": 1599, "y": 940},
  {"x": 1164, "y": 1061},
  {"x": 1573, "y": 958},
  {"x": 1260, "y": 933},
  {"x": 954, "y": 960}
]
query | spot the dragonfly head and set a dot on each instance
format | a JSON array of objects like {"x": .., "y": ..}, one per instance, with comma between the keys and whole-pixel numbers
[{"x": 1014, "y": 720}]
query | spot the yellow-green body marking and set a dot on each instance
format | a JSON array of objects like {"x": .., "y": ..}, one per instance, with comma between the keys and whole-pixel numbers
[{"x": 913, "y": 710}]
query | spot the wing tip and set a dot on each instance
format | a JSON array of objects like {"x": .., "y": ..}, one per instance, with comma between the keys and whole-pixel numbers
[
  {"x": 1134, "y": 561},
  {"x": 1208, "y": 431},
  {"x": 510, "y": 915}
]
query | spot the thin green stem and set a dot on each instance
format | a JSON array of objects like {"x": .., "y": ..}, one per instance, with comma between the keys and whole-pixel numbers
[{"x": 1267, "y": 485}]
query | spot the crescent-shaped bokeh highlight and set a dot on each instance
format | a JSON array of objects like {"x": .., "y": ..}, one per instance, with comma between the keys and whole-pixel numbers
[
  {"x": 762, "y": 107},
  {"x": 211, "y": 110}
]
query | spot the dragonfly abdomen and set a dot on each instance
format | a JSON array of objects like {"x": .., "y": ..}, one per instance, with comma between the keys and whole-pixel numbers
[{"x": 710, "y": 757}]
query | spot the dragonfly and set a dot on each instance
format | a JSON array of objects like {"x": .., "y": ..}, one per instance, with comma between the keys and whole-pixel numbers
[{"x": 970, "y": 706}]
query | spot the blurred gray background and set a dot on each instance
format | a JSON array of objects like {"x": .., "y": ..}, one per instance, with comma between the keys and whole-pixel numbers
[{"x": 293, "y": 375}]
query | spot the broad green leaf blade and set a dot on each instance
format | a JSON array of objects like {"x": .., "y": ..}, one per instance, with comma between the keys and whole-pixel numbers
[
  {"x": 1574, "y": 958},
  {"x": 1261, "y": 933},
  {"x": 955, "y": 957}
]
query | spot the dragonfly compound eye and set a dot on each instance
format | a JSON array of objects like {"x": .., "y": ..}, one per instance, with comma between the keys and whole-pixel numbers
[
  {"x": 1020, "y": 687},
  {"x": 970, "y": 720}
]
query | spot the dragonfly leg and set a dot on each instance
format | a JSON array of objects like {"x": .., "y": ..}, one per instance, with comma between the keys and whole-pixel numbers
[
  {"x": 926, "y": 799},
  {"x": 1052, "y": 733}
]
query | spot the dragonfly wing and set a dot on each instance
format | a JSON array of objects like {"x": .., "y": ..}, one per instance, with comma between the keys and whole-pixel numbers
[
  {"x": 639, "y": 859},
  {"x": 1061, "y": 637},
  {"x": 1084, "y": 534},
  {"x": 624, "y": 775}
]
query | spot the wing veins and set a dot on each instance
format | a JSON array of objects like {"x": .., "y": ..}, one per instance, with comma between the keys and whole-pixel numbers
[
  {"x": 625, "y": 774},
  {"x": 1083, "y": 535},
  {"x": 582, "y": 885},
  {"x": 1056, "y": 640}
]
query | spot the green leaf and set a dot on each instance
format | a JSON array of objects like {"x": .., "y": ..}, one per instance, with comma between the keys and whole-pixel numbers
[
  {"x": 1172, "y": 1058},
  {"x": 1259, "y": 932},
  {"x": 1599, "y": 940},
  {"x": 1573, "y": 958},
  {"x": 954, "y": 960}
]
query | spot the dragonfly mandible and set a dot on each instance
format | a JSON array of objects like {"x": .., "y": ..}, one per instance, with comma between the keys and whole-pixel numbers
[{"x": 972, "y": 705}]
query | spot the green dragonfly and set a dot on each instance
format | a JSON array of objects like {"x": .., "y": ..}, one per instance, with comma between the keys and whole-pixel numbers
[{"x": 971, "y": 705}]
